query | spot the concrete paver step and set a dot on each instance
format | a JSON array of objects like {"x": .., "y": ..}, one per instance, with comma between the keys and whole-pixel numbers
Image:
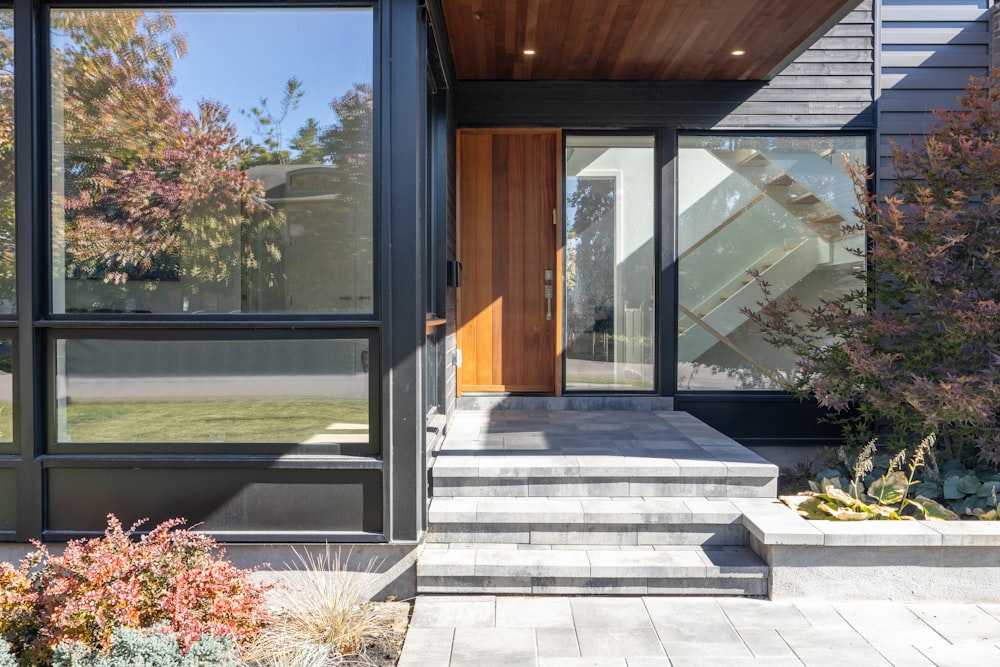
[
  {"x": 581, "y": 569},
  {"x": 591, "y": 502},
  {"x": 602, "y": 476},
  {"x": 607, "y": 509},
  {"x": 607, "y": 520}
]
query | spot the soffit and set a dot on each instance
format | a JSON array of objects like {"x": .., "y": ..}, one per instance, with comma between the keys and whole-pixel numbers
[{"x": 652, "y": 40}]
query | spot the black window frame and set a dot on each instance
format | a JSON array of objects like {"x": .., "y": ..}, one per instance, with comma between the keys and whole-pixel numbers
[{"x": 34, "y": 328}]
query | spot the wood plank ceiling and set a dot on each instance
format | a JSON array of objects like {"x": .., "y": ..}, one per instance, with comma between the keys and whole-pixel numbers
[{"x": 652, "y": 40}]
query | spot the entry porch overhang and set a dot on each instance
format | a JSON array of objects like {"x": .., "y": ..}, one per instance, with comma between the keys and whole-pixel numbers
[{"x": 630, "y": 40}]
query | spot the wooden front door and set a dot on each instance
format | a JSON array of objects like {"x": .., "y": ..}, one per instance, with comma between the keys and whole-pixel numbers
[{"x": 508, "y": 223}]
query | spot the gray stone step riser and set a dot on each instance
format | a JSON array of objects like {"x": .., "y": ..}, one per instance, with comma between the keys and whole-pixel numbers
[
  {"x": 523, "y": 585},
  {"x": 609, "y": 564},
  {"x": 589, "y": 534},
  {"x": 497, "y": 487},
  {"x": 608, "y": 572}
]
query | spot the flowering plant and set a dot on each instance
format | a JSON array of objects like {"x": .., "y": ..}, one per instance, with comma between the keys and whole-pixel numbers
[{"x": 171, "y": 578}]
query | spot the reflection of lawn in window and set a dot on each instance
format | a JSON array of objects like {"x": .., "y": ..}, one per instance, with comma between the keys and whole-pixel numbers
[
  {"x": 285, "y": 421},
  {"x": 605, "y": 380},
  {"x": 6, "y": 423}
]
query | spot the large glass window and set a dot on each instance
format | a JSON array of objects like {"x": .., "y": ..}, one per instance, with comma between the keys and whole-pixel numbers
[
  {"x": 609, "y": 263},
  {"x": 776, "y": 205},
  {"x": 309, "y": 392},
  {"x": 211, "y": 161},
  {"x": 6, "y": 161}
]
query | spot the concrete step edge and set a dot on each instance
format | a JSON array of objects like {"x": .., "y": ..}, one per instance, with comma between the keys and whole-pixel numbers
[
  {"x": 751, "y": 471},
  {"x": 753, "y": 588},
  {"x": 541, "y": 511},
  {"x": 592, "y": 563},
  {"x": 622, "y": 488}
]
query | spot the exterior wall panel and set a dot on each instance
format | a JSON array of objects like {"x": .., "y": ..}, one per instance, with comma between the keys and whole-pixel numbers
[
  {"x": 829, "y": 85},
  {"x": 228, "y": 500},
  {"x": 8, "y": 500},
  {"x": 995, "y": 36},
  {"x": 927, "y": 52}
]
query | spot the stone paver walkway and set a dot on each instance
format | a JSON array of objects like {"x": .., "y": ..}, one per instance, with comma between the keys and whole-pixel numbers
[{"x": 460, "y": 631}]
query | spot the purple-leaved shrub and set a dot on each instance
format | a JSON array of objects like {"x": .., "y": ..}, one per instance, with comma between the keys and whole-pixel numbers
[{"x": 916, "y": 348}]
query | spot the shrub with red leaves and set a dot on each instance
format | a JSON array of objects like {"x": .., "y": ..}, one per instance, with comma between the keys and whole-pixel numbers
[
  {"x": 916, "y": 349},
  {"x": 171, "y": 578}
]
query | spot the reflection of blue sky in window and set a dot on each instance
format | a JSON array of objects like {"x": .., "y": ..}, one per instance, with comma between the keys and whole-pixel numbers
[{"x": 237, "y": 56}]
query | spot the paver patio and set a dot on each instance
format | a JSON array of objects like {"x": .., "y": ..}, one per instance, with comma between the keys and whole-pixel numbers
[{"x": 461, "y": 631}]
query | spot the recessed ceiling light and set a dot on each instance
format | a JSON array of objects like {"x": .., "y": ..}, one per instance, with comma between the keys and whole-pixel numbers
[
  {"x": 528, "y": 52},
  {"x": 739, "y": 52}
]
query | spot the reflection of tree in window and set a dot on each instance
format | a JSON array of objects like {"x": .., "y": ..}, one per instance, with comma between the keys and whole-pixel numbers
[
  {"x": 6, "y": 156},
  {"x": 154, "y": 193},
  {"x": 591, "y": 253},
  {"x": 325, "y": 194}
]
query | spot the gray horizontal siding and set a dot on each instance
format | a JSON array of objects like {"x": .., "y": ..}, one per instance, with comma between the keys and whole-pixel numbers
[
  {"x": 829, "y": 86},
  {"x": 927, "y": 52}
]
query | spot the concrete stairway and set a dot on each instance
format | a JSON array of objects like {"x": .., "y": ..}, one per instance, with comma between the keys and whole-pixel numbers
[{"x": 623, "y": 503}]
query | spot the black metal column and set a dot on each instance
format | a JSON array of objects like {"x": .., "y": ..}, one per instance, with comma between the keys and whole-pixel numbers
[
  {"x": 666, "y": 292},
  {"x": 401, "y": 118},
  {"x": 28, "y": 394}
]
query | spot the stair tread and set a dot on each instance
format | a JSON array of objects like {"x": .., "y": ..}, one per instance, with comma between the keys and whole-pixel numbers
[
  {"x": 587, "y": 562},
  {"x": 734, "y": 462},
  {"x": 585, "y": 511}
]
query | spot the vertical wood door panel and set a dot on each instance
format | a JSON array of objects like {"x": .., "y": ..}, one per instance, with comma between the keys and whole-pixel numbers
[{"x": 507, "y": 240}]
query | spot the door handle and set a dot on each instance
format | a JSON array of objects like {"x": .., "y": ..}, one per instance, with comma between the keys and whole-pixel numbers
[{"x": 547, "y": 282}]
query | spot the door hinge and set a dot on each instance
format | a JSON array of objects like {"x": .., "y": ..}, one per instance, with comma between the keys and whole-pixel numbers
[{"x": 555, "y": 217}]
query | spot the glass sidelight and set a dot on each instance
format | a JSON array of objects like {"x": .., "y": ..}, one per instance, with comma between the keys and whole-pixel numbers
[{"x": 609, "y": 263}]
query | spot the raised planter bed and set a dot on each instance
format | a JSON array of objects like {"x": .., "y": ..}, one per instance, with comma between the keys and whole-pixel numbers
[{"x": 956, "y": 561}]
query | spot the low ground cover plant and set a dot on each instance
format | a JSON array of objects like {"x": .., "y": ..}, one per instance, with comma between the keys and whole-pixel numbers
[
  {"x": 893, "y": 493},
  {"x": 148, "y": 648},
  {"x": 170, "y": 580},
  {"x": 916, "y": 347},
  {"x": 876, "y": 485}
]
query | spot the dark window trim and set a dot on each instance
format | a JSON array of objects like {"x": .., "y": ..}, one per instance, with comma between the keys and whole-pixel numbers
[
  {"x": 215, "y": 324},
  {"x": 193, "y": 459},
  {"x": 666, "y": 255},
  {"x": 209, "y": 4},
  {"x": 239, "y": 537},
  {"x": 31, "y": 188}
]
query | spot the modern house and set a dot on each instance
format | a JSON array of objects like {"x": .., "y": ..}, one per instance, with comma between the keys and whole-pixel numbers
[{"x": 265, "y": 322}]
